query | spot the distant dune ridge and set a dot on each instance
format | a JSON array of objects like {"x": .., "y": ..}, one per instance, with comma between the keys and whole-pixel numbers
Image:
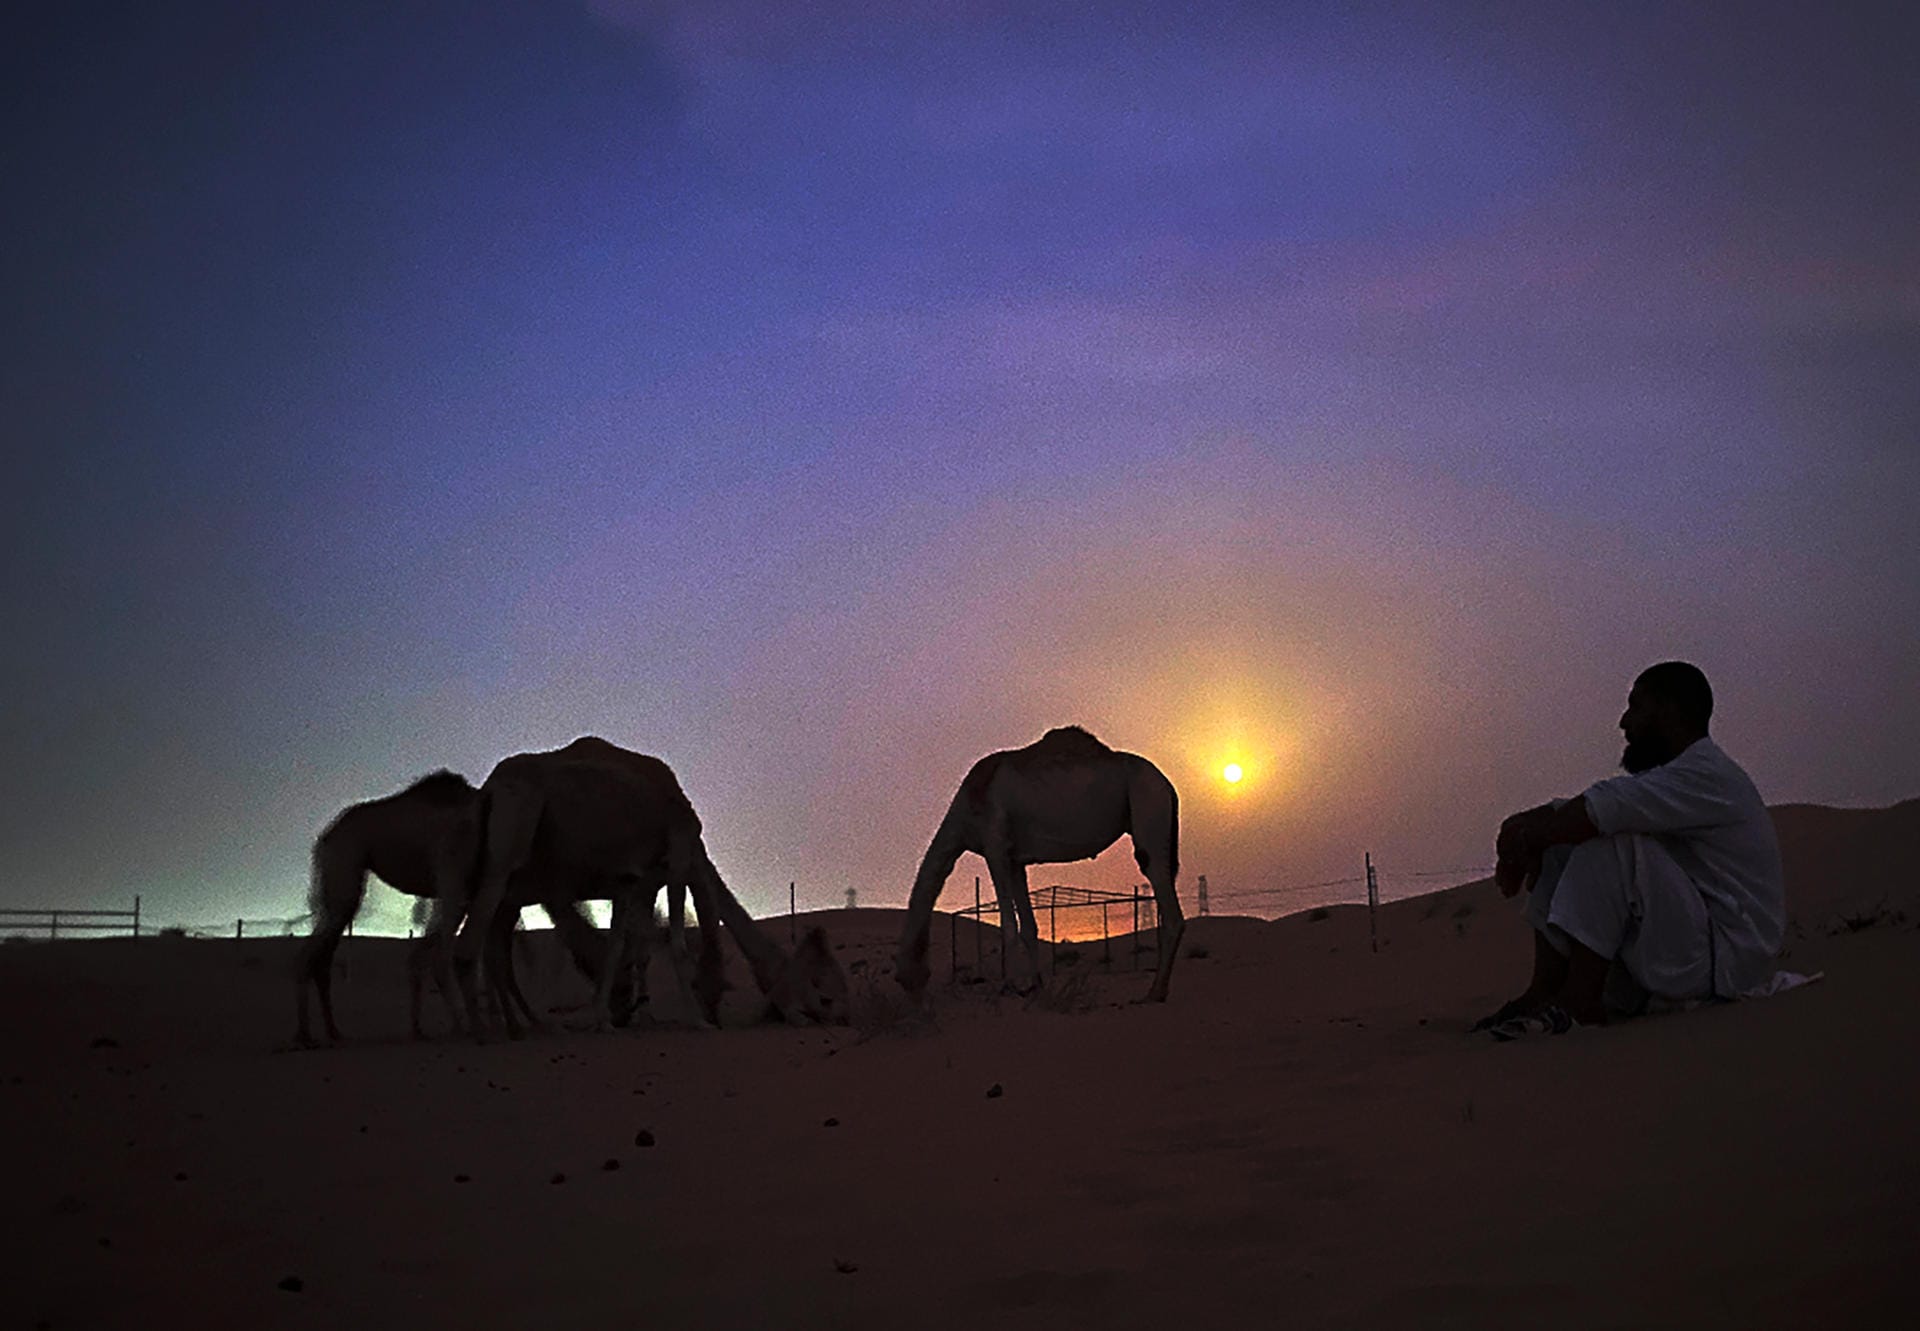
[
  {"x": 1848, "y": 863},
  {"x": 1305, "y": 1130}
]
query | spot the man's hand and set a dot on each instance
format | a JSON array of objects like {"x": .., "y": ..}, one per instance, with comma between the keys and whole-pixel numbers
[
  {"x": 1512, "y": 876},
  {"x": 1525, "y": 837}
]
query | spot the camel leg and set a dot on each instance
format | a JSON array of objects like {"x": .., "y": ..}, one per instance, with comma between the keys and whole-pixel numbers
[
  {"x": 633, "y": 925},
  {"x": 503, "y": 987},
  {"x": 710, "y": 972},
  {"x": 512, "y": 820},
  {"x": 468, "y": 946},
  {"x": 617, "y": 953},
  {"x": 593, "y": 955},
  {"x": 429, "y": 957},
  {"x": 681, "y": 958},
  {"x": 950, "y": 841},
  {"x": 339, "y": 883},
  {"x": 1171, "y": 925},
  {"x": 1010, "y": 882},
  {"x": 1009, "y": 935},
  {"x": 419, "y": 961},
  {"x": 316, "y": 966}
]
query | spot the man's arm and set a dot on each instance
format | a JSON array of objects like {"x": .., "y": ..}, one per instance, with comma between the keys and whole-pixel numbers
[{"x": 1525, "y": 837}]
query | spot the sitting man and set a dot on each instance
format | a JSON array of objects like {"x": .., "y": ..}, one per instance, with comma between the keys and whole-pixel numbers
[{"x": 1663, "y": 883}]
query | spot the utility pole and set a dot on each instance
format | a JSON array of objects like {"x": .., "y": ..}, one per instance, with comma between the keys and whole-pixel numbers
[{"x": 1203, "y": 894}]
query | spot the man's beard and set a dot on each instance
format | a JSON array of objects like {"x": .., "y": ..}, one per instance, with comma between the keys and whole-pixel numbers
[{"x": 1642, "y": 756}]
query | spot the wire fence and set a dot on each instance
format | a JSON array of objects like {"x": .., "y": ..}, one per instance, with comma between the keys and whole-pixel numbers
[
  {"x": 1067, "y": 917},
  {"x": 1305, "y": 895},
  {"x": 31, "y": 921}
]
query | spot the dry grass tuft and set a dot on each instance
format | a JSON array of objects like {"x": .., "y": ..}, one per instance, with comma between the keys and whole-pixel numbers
[
  {"x": 1071, "y": 994},
  {"x": 880, "y": 1007}
]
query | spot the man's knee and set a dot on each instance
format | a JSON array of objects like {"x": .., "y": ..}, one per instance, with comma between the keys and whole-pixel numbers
[{"x": 1592, "y": 902}]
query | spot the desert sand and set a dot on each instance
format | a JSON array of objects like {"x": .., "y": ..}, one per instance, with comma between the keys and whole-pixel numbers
[{"x": 1303, "y": 1135}]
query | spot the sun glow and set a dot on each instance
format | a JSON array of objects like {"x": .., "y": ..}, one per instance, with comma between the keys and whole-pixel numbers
[{"x": 1232, "y": 773}]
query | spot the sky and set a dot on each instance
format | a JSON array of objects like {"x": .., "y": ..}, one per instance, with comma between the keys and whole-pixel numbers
[{"x": 820, "y": 396}]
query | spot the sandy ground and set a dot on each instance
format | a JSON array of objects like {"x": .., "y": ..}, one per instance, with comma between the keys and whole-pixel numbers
[{"x": 1303, "y": 1134}]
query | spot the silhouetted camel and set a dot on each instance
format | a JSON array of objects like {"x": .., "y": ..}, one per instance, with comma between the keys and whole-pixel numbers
[
  {"x": 594, "y": 813},
  {"x": 1064, "y": 797}
]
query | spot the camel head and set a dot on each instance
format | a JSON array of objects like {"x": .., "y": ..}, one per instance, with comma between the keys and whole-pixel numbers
[{"x": 812, "y": 989}]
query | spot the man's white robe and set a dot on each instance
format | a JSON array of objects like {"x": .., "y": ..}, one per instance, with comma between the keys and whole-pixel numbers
[{"x": 1683, "y": 885}]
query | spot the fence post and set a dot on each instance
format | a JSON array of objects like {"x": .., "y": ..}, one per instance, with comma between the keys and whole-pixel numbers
[
  {"x": 53, "y": 925},
  {"x": 793, "y": 925},
  {"x": 1053, "y": 929},
  {"x": 239, "y": 928},
  {"x": 136, "y": 914},
  {"x": 1373, "y": 901}
]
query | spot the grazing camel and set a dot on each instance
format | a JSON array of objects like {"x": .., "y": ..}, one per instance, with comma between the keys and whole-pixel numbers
[
  {"x": 1064, "y": 797},
  {"x": 593, "y": 812},
  {"x": 400, "y": 838}
]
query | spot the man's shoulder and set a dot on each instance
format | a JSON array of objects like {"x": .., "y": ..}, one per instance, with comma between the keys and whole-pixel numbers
[{"x": 1718, "y": 765}]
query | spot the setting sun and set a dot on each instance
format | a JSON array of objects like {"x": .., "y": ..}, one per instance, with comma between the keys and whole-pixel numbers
[{"x": 1232, "y": 773}]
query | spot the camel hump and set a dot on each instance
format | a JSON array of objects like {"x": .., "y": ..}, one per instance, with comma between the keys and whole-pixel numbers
[
  {"x": 1067, "y": 744},
  {"x": 593, "y": 749},
  {"x": 441, "y": 787}
]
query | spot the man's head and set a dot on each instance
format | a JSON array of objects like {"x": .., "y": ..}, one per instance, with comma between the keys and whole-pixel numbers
[{"x": 1667, "y": 709}]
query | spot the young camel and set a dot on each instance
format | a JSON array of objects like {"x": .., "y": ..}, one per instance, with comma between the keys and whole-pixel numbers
[
  {"x": 402, "y": 839},
  {"x": 1064, "y": 797},
  {"x": 593, "y": 812}
]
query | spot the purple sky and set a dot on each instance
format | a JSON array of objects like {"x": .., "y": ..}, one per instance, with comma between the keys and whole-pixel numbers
[{"x": 820, "y": 396}]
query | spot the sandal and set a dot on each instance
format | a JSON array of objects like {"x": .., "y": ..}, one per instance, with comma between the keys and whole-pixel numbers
[
  {"x": 1547, "y": 1021},
  {"x": 1507, "y": 1011}
]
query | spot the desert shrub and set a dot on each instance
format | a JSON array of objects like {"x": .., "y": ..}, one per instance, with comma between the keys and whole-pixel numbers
[
  {"x": 1465, "y": 909},
  {"x": 1066, "y": 956},
  {"x": 1069, "y": 994},
  {"x": 174, "y": 931},
  {"x": 1881, "y": 915},
  {"x": 1199, "y": 952},
  {"x": 878, "y": 1006},
  {"x": 1317, "y": 914}
]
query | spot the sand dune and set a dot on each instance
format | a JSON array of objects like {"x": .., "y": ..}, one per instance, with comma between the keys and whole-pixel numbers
[{"x": 1302, "y": 1135}]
